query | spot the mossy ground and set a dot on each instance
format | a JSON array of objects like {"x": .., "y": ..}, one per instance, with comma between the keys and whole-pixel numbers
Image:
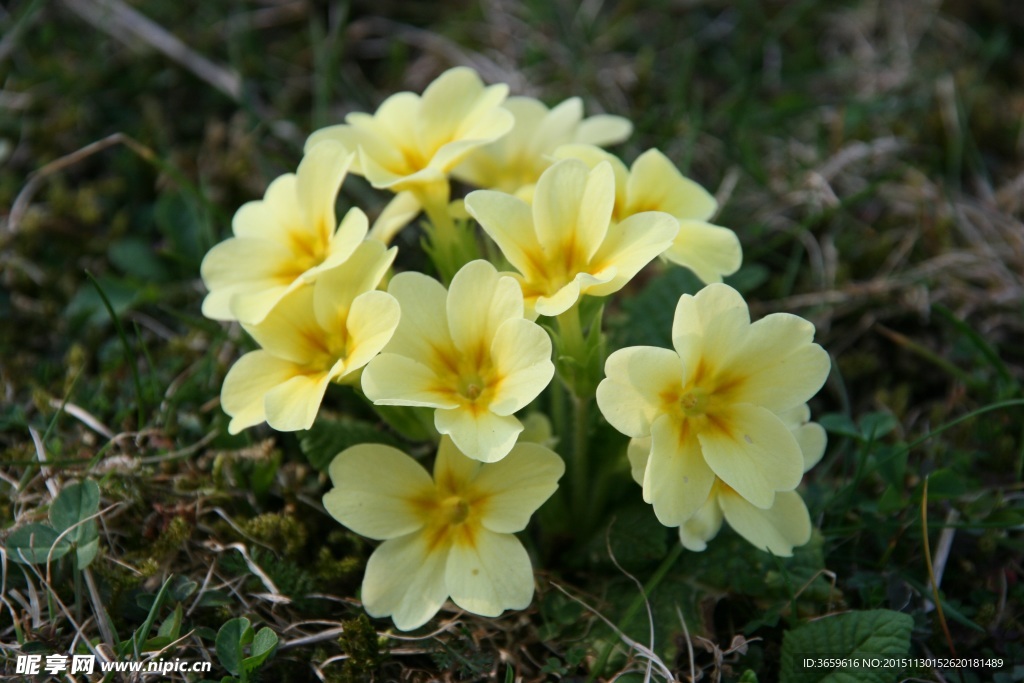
[{"x": 870, "y": 156}]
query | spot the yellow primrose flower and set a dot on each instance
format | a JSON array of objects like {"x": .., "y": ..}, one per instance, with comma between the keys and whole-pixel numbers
[
  {"x": 446, "y": 536},
  {"x": 780, "y": 528},
  {"x": 283, "y": 241},
  {"x": 514, "y": 162},
  {"x": 712, "y": 405},
  {"x": 412, "y": 142},
  {"x": 653, "y": 183},
  {"x": 564, "y": 245},
  {"x": 468, "y": 352},
  {"x": 315, "y": 335}
]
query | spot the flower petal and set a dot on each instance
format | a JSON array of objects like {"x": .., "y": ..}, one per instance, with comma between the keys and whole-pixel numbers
[
  {"x": 319, "y": 177},
  {"x": 393, "y": 380},
  {"x": 509, "y": 222},
  {"x": 405, "y": 579},
  {"x": 335, "y": 289},
  {"x": 244, "y": 266},
  {"x": 603, "y": 130},
  {"x": 370, "y": 324},
  {"x": 562, "y": 300},
  {"x": 398, "y": 213},
  {"x": 521, "y": 354},
  {"x": 705, "y": 524},
  {"x": 751, "y": 450},
  {"x": 423, "y": 329},
  {"x": 379, "y": 491},
  {"x": 572, "y": 209},
  {"x": 630, "y": 246},
  {"x": 478, "y": 432},
  {"x": 677, "y": 480},
  {"x": 248, "y": 382},
  {"x": 490, "y": 574},
  {"x": 710, "y": 251},
  {"x": 346, "y": 239},
  {"x": 777, "y": 365},
  {"x": 457, "y": 106},
  {"x": 290, "y": 331},
  {"x": 639, "y": 452},
  {"x": 294, "y": 404},
  {"x": 656, "y": 184},
  {"x": 270, "y": 218},
  {"x": 454, "y": 472},
  {"x": 592, "y": 156},
  {"x": 630, "y": 396},
  {"x": 812, "y": 440},
  {"x": 479, "y": 301},
  {"x": 694, "y": 313},
  {"x": 778, "y": 530},
  {"x": 512, "y": 489}
]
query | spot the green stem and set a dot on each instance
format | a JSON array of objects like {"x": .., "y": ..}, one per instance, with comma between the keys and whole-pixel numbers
[
  {"x": 571, "y": 332},
  {"x": 634, "y": 608},
  {"x": 580, "y": 476}
]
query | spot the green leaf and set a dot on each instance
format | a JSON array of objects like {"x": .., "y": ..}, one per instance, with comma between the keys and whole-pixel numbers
[
  {"x": 182, "y": 588},
  {"x": 328, "y": 438},
  {"x": 137, "y": 642},
  {"x": 232, "y": 638},
  {"x": 263, "y": 646},
  {"x": 31, "y": 544},
  {"x": 86, "y": 552},
  {"x": 87, "y": 305},
  {"x": 839, "y": 424},
  {"x": 852, "y": 634},
  {"x": 137, "y": 257},
  {"x": 650, "y": 312},
  {"x": 636, "y": 537},
  {"x": 748, "y": 278},
  {"x": 874, "y": 426},
  {"x": 73, "y": 504},
  {"x": 171, "y": 627},
  {"x": 944, "y": 484}
]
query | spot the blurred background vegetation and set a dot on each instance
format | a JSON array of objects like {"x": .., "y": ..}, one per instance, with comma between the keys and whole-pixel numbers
[{"x": 870, "y": 155}]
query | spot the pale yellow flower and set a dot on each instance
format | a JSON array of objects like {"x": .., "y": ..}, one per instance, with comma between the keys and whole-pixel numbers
[
  {"x": 468, "y": 352},
  {"x": 413, "y": 141},
  {"x": 780, "y": 528},
  {"x": 446, "y": 536},
  {"x": 284, "y": 241},
  {"x": 315, "y": 335},
  {"x": 514, "y": 162},
  {"x": 712, "y": 405},
  {"x": 653, "y": 183},
  {"x": 564, "y": 245}
]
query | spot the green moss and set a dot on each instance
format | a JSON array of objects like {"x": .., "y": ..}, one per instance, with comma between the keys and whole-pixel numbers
[
  {"x": 360, "y": 643},
  {"x": 282, "y": 531}
]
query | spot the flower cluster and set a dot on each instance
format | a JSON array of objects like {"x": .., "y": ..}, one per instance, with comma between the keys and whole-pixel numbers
[{"x": 719, "y": 425}]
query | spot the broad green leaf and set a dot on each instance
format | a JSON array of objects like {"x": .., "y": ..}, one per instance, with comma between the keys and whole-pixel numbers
[
  {"x": 839, "y": 424},
  {"x": 945, "y": 483},
  {"x": 232, "y": 638},
  {"x": 31, "y": 544},
  {"x": 171, "y": 627},
  {"x": 328, "y": 438},
  {"x": 86, "y": 552},
  {"x": 636, "y": 537},
  {"x": 650, "y": 312},
  {"x": 137, "y": 257},
  {"x": 852, "y": 634},
  {"x": 73, "y": 504},
  {"x": 748, "y": 278},
  {"x": 874, "y": 426},
  {"x": 263, "y": 646}
]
